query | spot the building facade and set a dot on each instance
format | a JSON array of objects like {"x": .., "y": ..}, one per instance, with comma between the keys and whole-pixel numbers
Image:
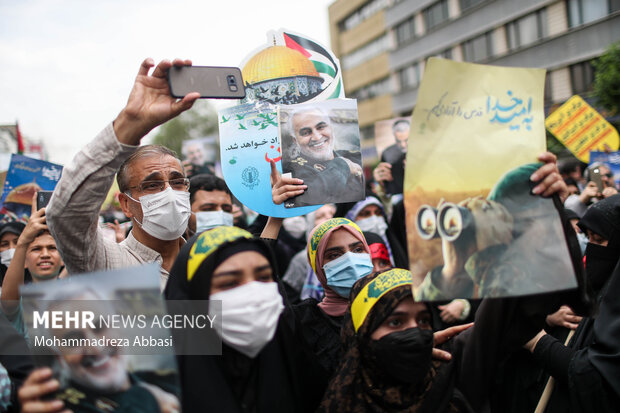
[{"x": 383, "y": 45}]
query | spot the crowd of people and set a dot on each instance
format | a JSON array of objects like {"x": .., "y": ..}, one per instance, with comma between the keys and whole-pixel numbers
[{"x": 319, "y": 313}]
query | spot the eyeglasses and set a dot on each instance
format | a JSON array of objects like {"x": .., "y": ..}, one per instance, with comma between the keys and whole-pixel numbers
[{"x": 153, "y": 187}]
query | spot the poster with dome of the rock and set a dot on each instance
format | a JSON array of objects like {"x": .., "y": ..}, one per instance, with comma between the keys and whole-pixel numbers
[
  {"x": 287, "y": 69},
  {"x": 290, "y": 69}
]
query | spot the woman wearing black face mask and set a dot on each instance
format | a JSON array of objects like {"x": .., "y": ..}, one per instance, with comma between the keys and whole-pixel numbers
[
  {"x": 388, "y": 363},
  {"x": 601, "y": 223},
  {"x": 577, "y": 384}
]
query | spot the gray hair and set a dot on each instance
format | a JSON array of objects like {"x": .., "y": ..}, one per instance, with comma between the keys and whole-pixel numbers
[
  {"x": 145, "y": 151},
  {"x": 400, "y": 125}
]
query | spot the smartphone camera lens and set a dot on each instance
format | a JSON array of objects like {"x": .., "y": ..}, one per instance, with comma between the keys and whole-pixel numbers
[{"x": 232, "y": 83}]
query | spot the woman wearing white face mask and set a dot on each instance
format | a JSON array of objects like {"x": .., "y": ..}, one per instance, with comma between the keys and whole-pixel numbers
[
  {"x": 264, "y": 367},
  {"x": 369, "y": 215}
]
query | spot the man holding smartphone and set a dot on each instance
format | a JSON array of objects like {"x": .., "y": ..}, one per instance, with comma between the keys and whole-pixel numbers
[
  {"x": 600, "y": 185},
  {"x": 153, "y": 185}
]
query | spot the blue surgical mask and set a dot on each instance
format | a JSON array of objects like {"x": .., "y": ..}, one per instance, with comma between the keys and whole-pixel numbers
[
  {"x": 342, "y": 272},
  {"x": 210, "y": 219}
]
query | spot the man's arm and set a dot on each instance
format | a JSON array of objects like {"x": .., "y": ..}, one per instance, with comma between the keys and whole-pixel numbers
[
  {"x": 73, "y": 211},
  {"x": 14, "y": 277}
]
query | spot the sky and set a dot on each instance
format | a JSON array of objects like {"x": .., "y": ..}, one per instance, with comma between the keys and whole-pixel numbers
[{"x": 67, "y": 66}]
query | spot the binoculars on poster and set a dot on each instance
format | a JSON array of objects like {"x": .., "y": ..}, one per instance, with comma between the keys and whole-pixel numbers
[{"x": 449, "y": 222}]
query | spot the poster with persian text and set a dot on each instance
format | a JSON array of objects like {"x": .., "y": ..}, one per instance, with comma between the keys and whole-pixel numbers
[
  {"x": 25, "y": 177},
  {"x": 475, "y": 229}
]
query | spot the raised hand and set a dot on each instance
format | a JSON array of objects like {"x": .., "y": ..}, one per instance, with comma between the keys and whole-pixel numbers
[
  {"x": 150, "y": 103},
  {"x": 283, "y": 188}
]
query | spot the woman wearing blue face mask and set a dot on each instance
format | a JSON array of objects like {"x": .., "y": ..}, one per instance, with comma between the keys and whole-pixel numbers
[{"x": 339, "y": 255}]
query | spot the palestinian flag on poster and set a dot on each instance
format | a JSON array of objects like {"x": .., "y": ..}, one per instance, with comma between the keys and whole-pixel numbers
[{"x": 323, "y": 60}]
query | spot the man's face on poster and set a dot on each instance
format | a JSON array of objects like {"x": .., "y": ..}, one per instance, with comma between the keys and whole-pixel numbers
[
  {"x": 100, "y": 368},
  {"x": 401, "y": 135},
  {"x": 195, "y": 154},
  {"x": 313, "y": 133}
]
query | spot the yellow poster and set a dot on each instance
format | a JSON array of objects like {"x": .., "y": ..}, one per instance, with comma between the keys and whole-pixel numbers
[
  {"x": 472, "y": 222},
  {"x": 582, "y": 129}
]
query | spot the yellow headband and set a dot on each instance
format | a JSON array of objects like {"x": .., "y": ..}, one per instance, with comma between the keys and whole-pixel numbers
[
  {"x": 208, "y": 242},
  {"x": 374, "y": 290},
  {"x": 317, "y": 235}
]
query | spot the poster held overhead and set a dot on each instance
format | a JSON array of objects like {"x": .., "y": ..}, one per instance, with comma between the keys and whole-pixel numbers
[
  {"x": 474, "y": 228},
  {"x": 25, "y": 177},
  {"x": 288, "y": 69},
  {"x": 321, "y": 146},
  {"x": 580, "y": 128}
]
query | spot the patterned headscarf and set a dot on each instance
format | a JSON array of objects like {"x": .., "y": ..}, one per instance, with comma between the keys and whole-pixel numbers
[
  {"x": 356, "y": 386},
  {"x": 190, "y": 276},
  {"x": 332, "y": 304}
]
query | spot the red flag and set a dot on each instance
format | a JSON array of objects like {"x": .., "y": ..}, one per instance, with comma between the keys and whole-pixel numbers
[{"x": 20, "y": 141}]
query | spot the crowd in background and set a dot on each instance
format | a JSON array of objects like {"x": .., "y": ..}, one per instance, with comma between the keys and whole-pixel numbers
[{"x": 318, "y": 309}]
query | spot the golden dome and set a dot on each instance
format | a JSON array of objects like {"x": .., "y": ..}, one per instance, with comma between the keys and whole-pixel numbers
[{"x": 277, "y": 62}]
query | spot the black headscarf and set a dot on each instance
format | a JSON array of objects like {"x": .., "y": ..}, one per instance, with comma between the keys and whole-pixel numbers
[
  {"x": 602, "y": 218},
  {"x": 283, "y": 377}
]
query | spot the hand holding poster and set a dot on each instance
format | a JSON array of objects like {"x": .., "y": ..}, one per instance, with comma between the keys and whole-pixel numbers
[
  {"x": 391, "y": 139},
  {"x": 78, "y": 327},
  {"x": 474, "y": 228},
  {"x": 288, "y": 69},
  {"x": 321, "y": 146}
]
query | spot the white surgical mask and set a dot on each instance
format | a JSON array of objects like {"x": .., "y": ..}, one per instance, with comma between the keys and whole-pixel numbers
[
  {"x": 374, "y": 224},
  {"x": 210, "y": 219},
  {"x": 165, "y": 214},
  {"x": 6, "y": 256},
  {"x": 250, "y": 315},
  {"x": 296, "y": 226}
]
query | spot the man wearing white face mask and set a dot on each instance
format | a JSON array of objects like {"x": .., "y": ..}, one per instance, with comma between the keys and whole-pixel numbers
[
  {"x": 369, "y": 215},
  {"x": 151, "y": 180},
  {"x": 211, "y": 203}
]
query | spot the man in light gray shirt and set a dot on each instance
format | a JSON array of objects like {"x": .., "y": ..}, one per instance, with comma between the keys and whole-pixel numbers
[{"x": 152, "y": 182}]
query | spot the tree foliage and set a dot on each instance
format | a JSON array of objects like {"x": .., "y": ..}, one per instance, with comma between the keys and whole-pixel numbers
[
  {"x": 607, "y": 78},
  {"x": 198, "y": 122}
]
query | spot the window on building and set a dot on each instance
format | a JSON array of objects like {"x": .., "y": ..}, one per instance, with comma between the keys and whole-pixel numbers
[
  {"x": 585, "y": 11},
  {"x": 467, "y": 4},
  {"x": 581, "y": 77},
  {"x": 363, "y": 13},
  {"x": 527, "y": 30},
  {"x": 548, "y": 89},
  {"x": 446, "y": 54},
  {"x": 436, "y": 14},
  {"x": 479, "y": 48},
  {"x": 381, "y": 87},
  {"x": 405, "y": 31},
  {"x": 366, "y": 52},
  {"x": 409, "y": 77}
]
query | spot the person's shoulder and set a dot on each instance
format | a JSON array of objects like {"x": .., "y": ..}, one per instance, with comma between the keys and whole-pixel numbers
[{"x": 349, "y": 154}]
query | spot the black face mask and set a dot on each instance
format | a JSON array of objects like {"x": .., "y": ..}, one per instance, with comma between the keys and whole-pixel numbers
[
  {"x": 600, "y": 263},
  {"x": 404, "y": 356}
]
